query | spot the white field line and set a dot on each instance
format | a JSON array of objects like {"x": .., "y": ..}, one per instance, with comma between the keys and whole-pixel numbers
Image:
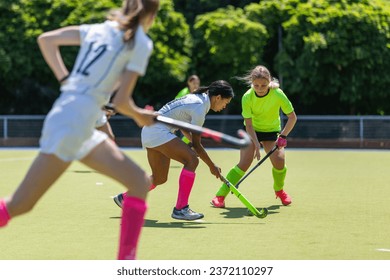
[{"x": 383, "y": 250}]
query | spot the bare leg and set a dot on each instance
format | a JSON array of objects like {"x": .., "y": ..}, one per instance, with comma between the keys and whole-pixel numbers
[
  {"x": 44, "y": 171},
  {"x": 278, "y": 157},
  {"x": 109, "y": 160},
  {"x": 159, "y": 164},
  {"x": 177, "y": 150},
  {"x": 246, "y": 157}
]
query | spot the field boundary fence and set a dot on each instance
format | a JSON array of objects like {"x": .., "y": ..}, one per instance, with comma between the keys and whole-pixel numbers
[{"x": 311, "y": 131}]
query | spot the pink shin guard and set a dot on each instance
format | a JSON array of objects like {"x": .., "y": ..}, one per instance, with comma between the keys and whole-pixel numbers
[
  {"x": 4, "y": 215},
  {"x": 133, "y": 212},
  {"x": 186, "y": 181}
]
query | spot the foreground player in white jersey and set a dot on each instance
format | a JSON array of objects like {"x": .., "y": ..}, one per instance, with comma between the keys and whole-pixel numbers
[
  {"x": 162, "y": 144},
  {"x": 112, "y": 54}
]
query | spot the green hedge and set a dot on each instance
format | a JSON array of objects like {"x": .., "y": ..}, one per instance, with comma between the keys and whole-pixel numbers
[{"x": 331, "y": 57}]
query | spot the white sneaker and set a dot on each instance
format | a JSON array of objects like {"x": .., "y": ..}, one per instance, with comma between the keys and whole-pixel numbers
[{"x": 186, "y": 214}]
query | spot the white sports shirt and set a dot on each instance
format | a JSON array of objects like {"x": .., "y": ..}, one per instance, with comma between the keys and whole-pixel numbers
[
  {"x": 103, "y": 57},
  {"x": 192, "y": 108}
]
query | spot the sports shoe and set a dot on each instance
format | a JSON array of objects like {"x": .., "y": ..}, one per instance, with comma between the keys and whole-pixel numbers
[
  {"x": 186, "y": 214},
  {"x": 284, "y": 197},
  {"x": 118, "y": 199},
  {"x": 218, "y": 202}
]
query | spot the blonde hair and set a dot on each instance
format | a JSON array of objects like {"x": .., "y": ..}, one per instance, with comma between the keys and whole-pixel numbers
[
  {"x": 259, "y": 72},
  {"x": 129, "y": 16}
]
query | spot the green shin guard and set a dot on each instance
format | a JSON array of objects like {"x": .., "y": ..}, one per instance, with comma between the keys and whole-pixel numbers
[
  {"x": 279, "y": 176},
  {"x": 234, "y": 175},
  {"x": 185, "y": 140}
]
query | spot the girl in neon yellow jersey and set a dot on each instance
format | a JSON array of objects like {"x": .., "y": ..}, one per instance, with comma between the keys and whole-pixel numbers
[
  {"x": 193, "y": 83},
  {"x": 260, "y": 108}
]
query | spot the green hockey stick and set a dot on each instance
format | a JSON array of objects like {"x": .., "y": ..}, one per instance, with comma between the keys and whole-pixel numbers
[{"x": 261, "y": 213}]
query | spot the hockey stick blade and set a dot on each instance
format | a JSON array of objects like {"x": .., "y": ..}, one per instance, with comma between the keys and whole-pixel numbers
[{"x": 259, "y": 213}]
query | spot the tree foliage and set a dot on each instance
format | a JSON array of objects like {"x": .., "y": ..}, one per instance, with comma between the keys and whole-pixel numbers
[
  {"x": 335, "y": 54},
  {"x": 27, "y": 80},
  {"x": 171, "y": 58},
  {"x": 231, "y": 45},
  {"x": 332, "y": 57}
]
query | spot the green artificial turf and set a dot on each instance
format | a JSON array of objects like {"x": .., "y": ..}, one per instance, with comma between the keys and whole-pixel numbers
[{"x": 340, "y": 211}]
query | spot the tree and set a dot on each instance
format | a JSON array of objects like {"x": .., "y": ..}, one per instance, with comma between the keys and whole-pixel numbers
[
  {"x": 171, "y": 59},
  {"x": 227, "y": 47},
  {"x": 272, "y": 14},
  {"x": 334, "y": 57},
  {"x": 192, "y": 8},
  {"x": 29, "y": 87}
]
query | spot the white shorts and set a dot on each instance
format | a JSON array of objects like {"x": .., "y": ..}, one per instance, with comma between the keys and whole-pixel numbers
[
  {"x": 102, "y": 120},
  {"x": 156, "y": 135},
  {"x": 69, "y": 128}
]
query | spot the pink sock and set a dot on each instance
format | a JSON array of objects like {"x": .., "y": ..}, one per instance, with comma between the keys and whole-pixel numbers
[
  {"x": 4, "y": 215},
  {"x": 186, "y": 181},
  {"x": 152, "y": 187},
  {"x": 133, "y": 212}
]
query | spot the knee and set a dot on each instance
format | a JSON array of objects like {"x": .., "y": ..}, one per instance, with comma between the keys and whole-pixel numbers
[
  {"x": 244, "y": 164},
  {"x": 279, "y": 164},
  {"x": 193, "y": 162},
  {"x": 159, "y": 180},
  {"x": 278, "y": 161}
]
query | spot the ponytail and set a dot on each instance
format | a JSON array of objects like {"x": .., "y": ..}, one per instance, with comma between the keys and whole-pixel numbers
[
  {"x": 131, "y": 13},
  {"x": 219, "y": 87}
]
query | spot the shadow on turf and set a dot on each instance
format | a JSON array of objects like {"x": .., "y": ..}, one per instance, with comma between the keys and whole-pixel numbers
[
  {"x": 83, "y": 171},
  {"x": 182, "y": 224},
  {"x": 239, "y": 212}
]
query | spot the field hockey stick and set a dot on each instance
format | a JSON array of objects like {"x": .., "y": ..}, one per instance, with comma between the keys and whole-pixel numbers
[
  {"x": 261, "y": 213},
  {"x": 217, "y": 136},
  {"x": 257, "y": 165}
]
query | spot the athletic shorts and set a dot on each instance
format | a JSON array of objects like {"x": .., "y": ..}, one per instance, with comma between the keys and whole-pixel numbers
[
  {"x": 102, "y": 120},
  {"x": 266, "y": 136},
  {"x": 156, "y": 135},
  {"x": 69, "y": 128}
]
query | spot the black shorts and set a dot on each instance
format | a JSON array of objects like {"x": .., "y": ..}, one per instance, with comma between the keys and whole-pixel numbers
[{"x": 267, "y": 136}]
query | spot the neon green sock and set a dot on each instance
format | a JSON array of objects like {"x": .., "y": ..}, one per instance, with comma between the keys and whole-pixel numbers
[
  {"x": 185, "y": 140},
  {"x": 279, "y": 176},
  {"x": 234, "y": 175}
]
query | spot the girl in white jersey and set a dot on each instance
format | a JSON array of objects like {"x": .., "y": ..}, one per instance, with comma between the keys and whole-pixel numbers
[
  {"x": 261, "y": 106},
  {"x": 162, "y": 144},
  {"x": 112, "y": 55}
]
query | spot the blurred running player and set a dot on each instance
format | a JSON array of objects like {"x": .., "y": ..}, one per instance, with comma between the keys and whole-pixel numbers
[{"x": 112, "y": 56}]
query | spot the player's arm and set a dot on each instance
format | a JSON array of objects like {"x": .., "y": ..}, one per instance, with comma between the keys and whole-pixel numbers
[
  {"x": 187, "y": 134},
  {"x": 49, "y": 44},
  {"x": 281, "y": 142},
  {"x": 196, "y": 142},
  {"x": 124, "y": 102},
  {"x": 251, "y": 131},
  {"x": 291, "y": 120}
]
